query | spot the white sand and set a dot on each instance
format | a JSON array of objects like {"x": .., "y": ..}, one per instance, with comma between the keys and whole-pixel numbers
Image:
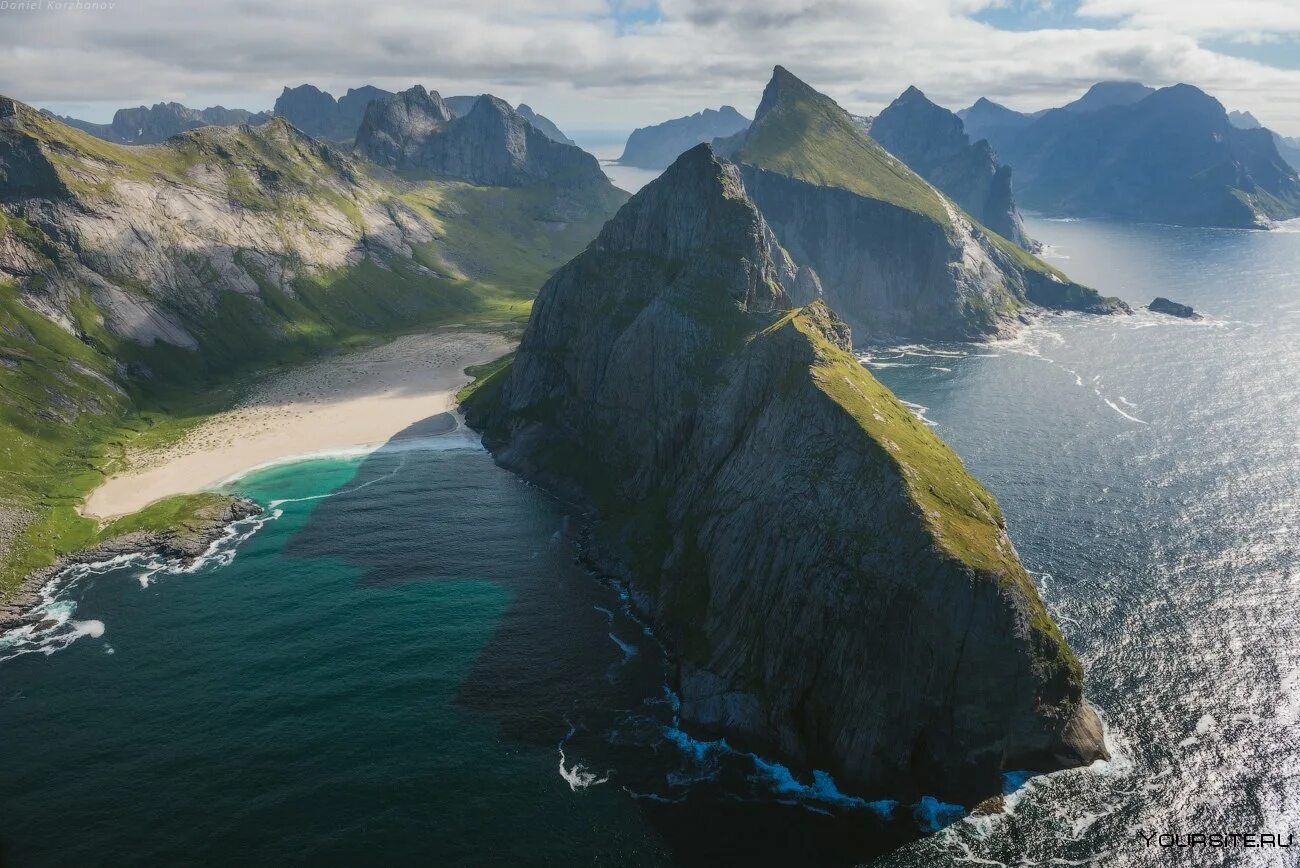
[{"x": 351, "y": 400}]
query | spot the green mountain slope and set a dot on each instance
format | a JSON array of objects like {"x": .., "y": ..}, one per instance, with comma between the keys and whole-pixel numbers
[{"x": 137, "y": 281}]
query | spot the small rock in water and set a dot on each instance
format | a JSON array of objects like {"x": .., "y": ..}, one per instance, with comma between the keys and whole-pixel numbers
[{"x": 1163, "y": 305}]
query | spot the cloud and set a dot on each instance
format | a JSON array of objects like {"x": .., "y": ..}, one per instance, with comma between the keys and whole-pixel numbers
[{"x": 593, "y": 63}]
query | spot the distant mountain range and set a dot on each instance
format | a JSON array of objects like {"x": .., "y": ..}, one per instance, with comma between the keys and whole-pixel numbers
[
  {"x": 1289, "y": 148},
  {"x": 1126, "y": 151},
  {"x": 312, "y": 110},
  {"x": 657, "y": 146},
  {"x": 157, "y": 123},
  {"x": 316, "y": 113}
]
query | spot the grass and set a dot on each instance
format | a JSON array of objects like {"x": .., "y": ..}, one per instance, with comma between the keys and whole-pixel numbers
[
  {"x": 964, "y": 519},
  {"x": 806, "y": 135},
  {"x": 485, "y": 374},
  {"x": 68, "y": 416},
  {"x": 185, "y": 514}
]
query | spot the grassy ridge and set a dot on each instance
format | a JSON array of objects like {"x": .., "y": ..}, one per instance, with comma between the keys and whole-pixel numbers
[{"x": 806, "y": 135}]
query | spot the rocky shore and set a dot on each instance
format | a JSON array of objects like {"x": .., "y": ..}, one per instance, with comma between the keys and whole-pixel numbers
[{"x": 177, "y": 544}]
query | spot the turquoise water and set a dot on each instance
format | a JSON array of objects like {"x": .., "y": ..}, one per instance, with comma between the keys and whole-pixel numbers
[{"x": 401, "y": 664}]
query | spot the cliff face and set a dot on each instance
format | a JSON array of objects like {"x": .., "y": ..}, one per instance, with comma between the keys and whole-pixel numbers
[
  {"x": 837, "y": 589},
  {"x": 491, "y": 144},
  {"x": 318, "y": 114},
  {"x": 656, "y": 147},
  {"x": 896, "y": 258},
  {"x": 461, "y": 105},
  {"x": 931, "y": 141}
]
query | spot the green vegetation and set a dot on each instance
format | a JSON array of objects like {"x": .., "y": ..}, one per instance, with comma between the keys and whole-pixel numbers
[
  {"x": 183, "y": 515},
  {"x": 69, "y": 415},
  {"x": 806, "y": 135},
  {"x": 485, "y": 374},
  {"x": 964, "y": 518}
]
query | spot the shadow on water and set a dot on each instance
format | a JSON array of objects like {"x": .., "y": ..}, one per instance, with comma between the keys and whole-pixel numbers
[{"x": 569, "y": 668}]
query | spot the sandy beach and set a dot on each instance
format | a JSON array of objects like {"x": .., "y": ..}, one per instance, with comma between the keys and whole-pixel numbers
[{"x": 355, "y": 399}]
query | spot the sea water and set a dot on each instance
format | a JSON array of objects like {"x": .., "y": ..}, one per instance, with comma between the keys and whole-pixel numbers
[{"x": 400, "y": 662}]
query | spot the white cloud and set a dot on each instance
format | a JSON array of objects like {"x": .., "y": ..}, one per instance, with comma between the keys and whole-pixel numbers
[{"x": 578, "y": 62}]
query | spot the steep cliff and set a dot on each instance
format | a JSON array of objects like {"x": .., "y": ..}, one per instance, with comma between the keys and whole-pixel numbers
[
  {"x": 490, "y": 144},
  {"x": 838, "y": 591},
  {"x": 318, "y": 114},
  {"x": 657, "y": 146},
  {"x": 896, "y": 258},
  {"x": 931, "y": 141}
]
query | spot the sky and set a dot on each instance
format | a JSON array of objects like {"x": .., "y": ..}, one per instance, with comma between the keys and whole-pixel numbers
[{"x": 617, "y": 64}]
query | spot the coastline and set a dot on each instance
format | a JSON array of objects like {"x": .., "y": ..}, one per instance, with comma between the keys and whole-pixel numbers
[
  {"x": 183, "y": 545},
  {"x": 351, "y": 400}
]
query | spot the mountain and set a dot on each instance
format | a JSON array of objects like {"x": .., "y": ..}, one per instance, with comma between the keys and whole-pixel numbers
[
  {"x": 134, "y": 280},
  {"x": 1172, "y": 157},
  {"x": 461, "y": 105},
  {"x": 318, "y": 114},
  {"x": 896, "y": 258},
  {"x": 1105, "y": 94},
  {"x": 657, "y": 146},
  {"x": 932, "y": 142},
  {"x": 1244, "y": 120},
  {"x": 490, "y": 144},
  {"x": 143, "y": 126},
  {"x": 1287, "y": 148},
  {"x": 836, "y": 589},
  {"x": 985, "y": 119}
]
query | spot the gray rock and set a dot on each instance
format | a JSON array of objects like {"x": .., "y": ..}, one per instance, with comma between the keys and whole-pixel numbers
[
  {"x": 837, "y": 590},
  {"x": 1160, "y": 304},
  {"x": 931, "y": 140},
  {"x": 491, "y": 144}
]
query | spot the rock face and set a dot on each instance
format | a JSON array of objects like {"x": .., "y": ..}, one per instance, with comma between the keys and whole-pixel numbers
[
  {"x": 837, "y": 589},
  {"x": 394, "y": 129},
  {"x": 896, "y": 258},
  {"x": 491, "y": 144},
  {"x": 657, "y": 146},
  {"x": 1160, "y": 304},
  {"x": 932, "y": 142},
  {"x": 461, "y": 105},
  {"x": 157, "y": 238},
  {"x": 1171, "y": 156},
  {"x": 144, "y": 126},
  {"x": 318, "y": 114}
]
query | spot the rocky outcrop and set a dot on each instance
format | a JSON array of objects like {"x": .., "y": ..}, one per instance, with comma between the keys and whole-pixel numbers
[
  {"x": 394, "y": 129},
  {"x": 657, "y": 146},
  {"x": 1171, "y": 156},
  {"x": 461, "y": 105},
  {"x": 144, "y": 126},
  {"x": 491, "y": 144},
  {"x": 896, "y": 258},
  {"x": 1160, "y": 304},
  {"x": 836, "y": 589},
  {"x": 318, "y": 114},
  {"x": 931, "y": 141},
  {"x": 181, "y": 545}
]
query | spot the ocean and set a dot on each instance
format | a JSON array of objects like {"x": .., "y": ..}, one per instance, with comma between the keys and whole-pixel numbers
[{"x": 400, "y": 662}]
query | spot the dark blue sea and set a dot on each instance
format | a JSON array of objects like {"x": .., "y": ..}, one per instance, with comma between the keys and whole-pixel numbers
[{"x": 400, "y": 663}]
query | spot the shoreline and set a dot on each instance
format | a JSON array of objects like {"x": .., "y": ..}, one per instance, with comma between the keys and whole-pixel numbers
[
  {"x": 354, "y": 400},
  {"x": 183, "y": 547}
]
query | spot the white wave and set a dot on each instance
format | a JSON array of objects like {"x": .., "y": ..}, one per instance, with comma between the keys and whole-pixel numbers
[
  {"x": 629, "y": 651},
  {"x": 53, "y": 628},
  {"x": 578, "y": 777},
  {"x": 919, "y": 412},
  {"x": 1117, "y": 409}
]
